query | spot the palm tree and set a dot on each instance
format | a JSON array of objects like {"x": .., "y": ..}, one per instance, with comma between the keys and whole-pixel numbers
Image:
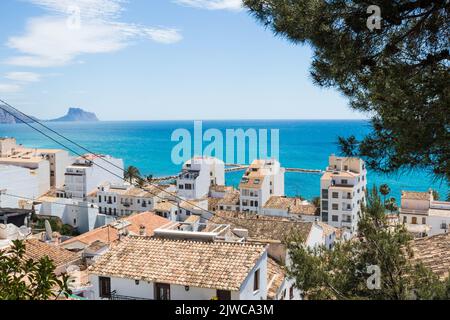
[
  {"x": 385, "y": 190},
  {"x": 132, "y": 173},
  {"x": 316, "y": 202}
]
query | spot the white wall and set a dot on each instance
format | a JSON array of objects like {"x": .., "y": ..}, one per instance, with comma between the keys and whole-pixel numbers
[{"x": 17, "y": 181}]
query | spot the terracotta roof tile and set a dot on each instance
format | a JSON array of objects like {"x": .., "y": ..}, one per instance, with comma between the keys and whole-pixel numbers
[
  {"x": 263, "y": 228},
  {"x": 434, "y": 253},
  {"x": 107, "y": 234},
  {"x": 275, "y": 277},
  {"x": 35, "y": 249},
  {"x": 217, "y": 265}
]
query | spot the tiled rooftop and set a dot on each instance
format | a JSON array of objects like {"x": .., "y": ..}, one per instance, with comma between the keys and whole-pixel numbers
[
  {"x": 230, "y": 199},
  {"x": 217, "y": 265},
  {"x": 35, "y": 249},
  {"x": 414, "y": 195},
  {"x": 292, "y": 205},
  {"x": 275, "y": 278},
  {"x": 263, "y": 228},
  {"x": 108, "y": 234},
  {"x": 434, "y": 253}
]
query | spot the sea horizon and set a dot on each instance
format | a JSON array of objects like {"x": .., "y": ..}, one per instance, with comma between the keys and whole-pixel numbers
[{"x": 146, "y": 144}]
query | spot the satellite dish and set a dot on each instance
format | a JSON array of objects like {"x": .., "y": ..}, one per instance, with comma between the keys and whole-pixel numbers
[{"x": 48, "y": 230}]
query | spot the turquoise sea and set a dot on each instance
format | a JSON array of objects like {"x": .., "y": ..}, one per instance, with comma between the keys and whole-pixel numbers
[{"x": 148, "y": 145}]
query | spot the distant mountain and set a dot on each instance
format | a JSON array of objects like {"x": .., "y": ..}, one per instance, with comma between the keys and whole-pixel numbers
[
  {"x": 73, "y": 115},
  {"x": 13, "y": 116},
  {"x": 77, "y": 114}
]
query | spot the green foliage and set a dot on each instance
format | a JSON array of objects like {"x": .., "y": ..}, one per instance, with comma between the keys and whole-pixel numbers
[
  {"x": 316, "y": 202},
  {"x": 342, "y": 272},
  {"x": 399, "y": 75},
  {"x": 25, "y": 279},
  {"x": 56, "y": 225},
  {"x": 132, "y": 173}
]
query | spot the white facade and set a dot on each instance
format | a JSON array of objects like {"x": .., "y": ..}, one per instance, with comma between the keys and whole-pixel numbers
[
  {"x": 263, "y": 179},
  {"x": 343, "y": 187},
  {"x": 423, "y": 215},
  {"x": 17, "y": 181},
  {"x": 198, "y": 175},
  {"x": 77, "y": 213},
  {"x": 90, "y": 171},
  {"x": 36, "y": 167},
  {"x": 124, "y": 199},
  {"x": 13, "y": 154}
]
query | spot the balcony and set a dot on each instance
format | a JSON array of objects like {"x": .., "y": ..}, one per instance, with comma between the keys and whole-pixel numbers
[
  {"x": 115, "y": 296},
  {"x": 346, "y": 223}
]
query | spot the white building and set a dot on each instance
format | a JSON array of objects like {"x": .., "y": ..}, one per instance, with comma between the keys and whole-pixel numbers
[
  {"x": 262, "y": 180},
  {"x": 343, "y": 188},
  {"x": 13, "y": 154},
  {"x": 181, "y": 270},
  {"x": 17, "y": 181},
  {"x": 198, "y": 175},
  {"x": 77, "y": 213},
  {"x": 89, "y": 172},
  {"x": 422, "y": 215},
  {"x": 125, "y": 199}
]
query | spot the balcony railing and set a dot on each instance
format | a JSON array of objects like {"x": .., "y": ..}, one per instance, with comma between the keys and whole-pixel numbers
[{"x": 115, "y": 296}]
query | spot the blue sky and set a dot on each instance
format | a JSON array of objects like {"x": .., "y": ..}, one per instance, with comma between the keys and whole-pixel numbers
[{"x": 152, "y": 60}]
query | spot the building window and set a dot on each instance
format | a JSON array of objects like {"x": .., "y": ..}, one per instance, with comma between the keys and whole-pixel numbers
[
  {"x": 335, "y": 195},
  {"x": 162, "y": 291},
  {"x": 424, "y": 220},
  {"x": 324, "y": 194},
  {"x": 104, "y": 284},
  {"x": 181, "y": 187},
  {"x": 414, "y": 220},
  {"x": 188, "y": 186},
  {"x": 335, "y": 218},
  {"x": 344, "y": 181},
  {"x": 324, "y": 205},
  {"x": 100, "y": 199},
  {"x": 256, "y": 280},
  {"x": 223, "y": 295},
  {"x": 335, "y": 206},
  {"x": 405, "y": 219},
  {"x": 291, "y": 293}
]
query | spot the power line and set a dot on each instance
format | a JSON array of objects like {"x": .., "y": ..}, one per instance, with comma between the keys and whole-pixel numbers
[
  {"x": 93, "y": 162},
  {"x": 89, "y": 151}
]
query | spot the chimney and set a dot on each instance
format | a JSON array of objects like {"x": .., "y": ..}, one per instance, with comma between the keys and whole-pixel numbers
[{"x": 142, "y": 231}]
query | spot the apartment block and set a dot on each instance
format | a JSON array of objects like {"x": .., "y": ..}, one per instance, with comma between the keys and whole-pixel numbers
[
  {"x": 198, "y": 175},
  {"x": 262, "y": 180},
  {"x": 343, "y": 187},
  {"x": 86, "y": 173}
]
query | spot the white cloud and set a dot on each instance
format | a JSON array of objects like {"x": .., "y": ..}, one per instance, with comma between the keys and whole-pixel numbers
[
  {"x": 9, "y": 88},
  {"x": 23, "y": 76},
  {"x": 79, "y": 27},
  {"x": 233, "y": 5}
]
